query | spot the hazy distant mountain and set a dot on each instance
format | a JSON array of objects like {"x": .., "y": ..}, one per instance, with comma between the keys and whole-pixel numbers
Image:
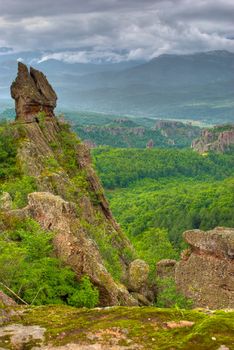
[{"x": 196, "y": 86}]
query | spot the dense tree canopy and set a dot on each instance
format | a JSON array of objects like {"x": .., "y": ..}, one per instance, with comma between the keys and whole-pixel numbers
[
  {"x": 121, "y": 167},
  {"x": 168, "y": 189}
]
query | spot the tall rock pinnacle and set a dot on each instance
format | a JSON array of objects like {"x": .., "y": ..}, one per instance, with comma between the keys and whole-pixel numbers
[{"x": 32, "y": 94}]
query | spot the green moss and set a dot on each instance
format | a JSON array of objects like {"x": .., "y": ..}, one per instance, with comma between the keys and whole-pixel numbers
[{"x": 144, "y": 326}]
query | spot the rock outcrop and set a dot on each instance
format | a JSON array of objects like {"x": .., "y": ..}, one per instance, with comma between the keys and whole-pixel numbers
[
  {"x": 6, "y": 300},
  {"x": 73, "y": 245},
  {"x": 206, "y": 272},
  {"x": 166, "y": 268},
  {"x": 5, "y": 201},
  {"x": 32, "y": 94},
  {"x": 69, "y": 200},
  {"x": 218, "y": 139}
]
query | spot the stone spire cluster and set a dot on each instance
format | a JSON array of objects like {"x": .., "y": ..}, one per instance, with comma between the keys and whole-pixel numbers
[{"x": 32, "y": 94}]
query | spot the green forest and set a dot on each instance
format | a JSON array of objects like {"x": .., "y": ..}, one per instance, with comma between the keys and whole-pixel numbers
[{"x": 157, "y": 194}]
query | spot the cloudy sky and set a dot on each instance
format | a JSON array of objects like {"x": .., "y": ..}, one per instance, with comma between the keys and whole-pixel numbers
[{"x": 116, "y": 30}]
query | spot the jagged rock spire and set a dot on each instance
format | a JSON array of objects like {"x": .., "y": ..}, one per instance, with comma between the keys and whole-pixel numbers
[{"x": 32, "y": 94}]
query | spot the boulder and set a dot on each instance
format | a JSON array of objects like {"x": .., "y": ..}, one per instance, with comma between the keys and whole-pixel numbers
[
  {"x": 32, "y": 94},
  {"x": 138, "y": 274},
  {"x": 206, "y": 275},
  {"x": 5, "y": 201}
]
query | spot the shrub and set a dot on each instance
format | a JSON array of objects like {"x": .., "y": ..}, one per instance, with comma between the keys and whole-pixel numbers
[
  {"x": 19, "y": 188},
  {"x": 168, "y": 295},
  {"x": 86, "y": 294},
  {"x": 8, "y": 151},
  {"x": 29, "y": 268}
]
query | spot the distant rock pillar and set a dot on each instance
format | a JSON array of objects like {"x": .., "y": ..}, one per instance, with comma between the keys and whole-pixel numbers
[{"x": 150, "y": 144}]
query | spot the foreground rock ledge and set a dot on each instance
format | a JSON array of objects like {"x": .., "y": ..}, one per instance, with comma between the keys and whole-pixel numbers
[{"x": 117, "y": 328}]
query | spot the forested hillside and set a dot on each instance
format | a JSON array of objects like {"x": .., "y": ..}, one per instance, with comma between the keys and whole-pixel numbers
[
  {"x": 132, "y": 132},
  {"x": 122, "y": 167},
  {"x": 157, "y": 194}
]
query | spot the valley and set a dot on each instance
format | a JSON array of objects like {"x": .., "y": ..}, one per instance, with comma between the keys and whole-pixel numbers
[{"x": 68, "y": 252}]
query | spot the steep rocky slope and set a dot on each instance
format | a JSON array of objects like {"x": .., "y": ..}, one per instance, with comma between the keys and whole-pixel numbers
[
  {"x": 70, "y": 199},
  {"x": 218, "y": 139}
]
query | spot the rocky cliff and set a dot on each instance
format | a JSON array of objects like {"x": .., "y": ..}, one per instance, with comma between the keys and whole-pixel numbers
[
  {"x": 218, "y": 139},
  {"x": 205, "y": 272},
  {"x": 134, "y": 132},
  {"x": 69, "y": 199}
]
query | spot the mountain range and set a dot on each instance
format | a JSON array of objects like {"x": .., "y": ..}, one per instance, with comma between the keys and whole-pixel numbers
[{"x": 197, "y": 86}]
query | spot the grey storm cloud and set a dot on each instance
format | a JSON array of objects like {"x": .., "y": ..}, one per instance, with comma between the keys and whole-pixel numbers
[{"x": 115, "y": 30}]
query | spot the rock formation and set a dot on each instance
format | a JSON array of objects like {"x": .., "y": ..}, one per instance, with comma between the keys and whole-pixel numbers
[
  {"x": 166, "y": 268},
  {"x": 161, "y": 124},
  {"x": 218, "y": 139},
  {"x": 72, "y": 244},
  {"x": 5, "y": 201},
  {"x": 70, "y": 200},
  {"x": 32, "y": 94},
  {"x": 150, "y": 144},
  {"x": 205, "y": 272},
  {"x": 6, "y": 300},
  {"x": 138, "y": 274}
]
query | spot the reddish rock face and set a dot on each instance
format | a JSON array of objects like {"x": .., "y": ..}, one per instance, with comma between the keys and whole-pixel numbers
[
  {"x": 207, "y": 274},
  {"x": 32, "y": 94},
  {"x": 213, "y": 140}
]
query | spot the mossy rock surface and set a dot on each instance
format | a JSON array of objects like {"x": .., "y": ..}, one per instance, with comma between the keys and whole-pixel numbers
[{"x": 127, "y": 328}]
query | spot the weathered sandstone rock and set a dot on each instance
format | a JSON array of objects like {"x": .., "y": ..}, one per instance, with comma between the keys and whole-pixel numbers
[
  {"x": 166, "y": 268},
  {"x": 138, "y": 274},
  {"x": 206, "y": 275},
  {"x": 218, "y": 242},
  {"x": 6, "y": 300},
  {"x": 213, "y": 140},
  {"x": 74, "y": 247},
  {"x": 73, "y": 210},
  {"x": 33, "y": 94},
  {"x": 5, "y": 201}
]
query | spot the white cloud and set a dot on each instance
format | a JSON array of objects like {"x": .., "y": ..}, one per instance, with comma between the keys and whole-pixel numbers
[{"x": 115, "y": 30}]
